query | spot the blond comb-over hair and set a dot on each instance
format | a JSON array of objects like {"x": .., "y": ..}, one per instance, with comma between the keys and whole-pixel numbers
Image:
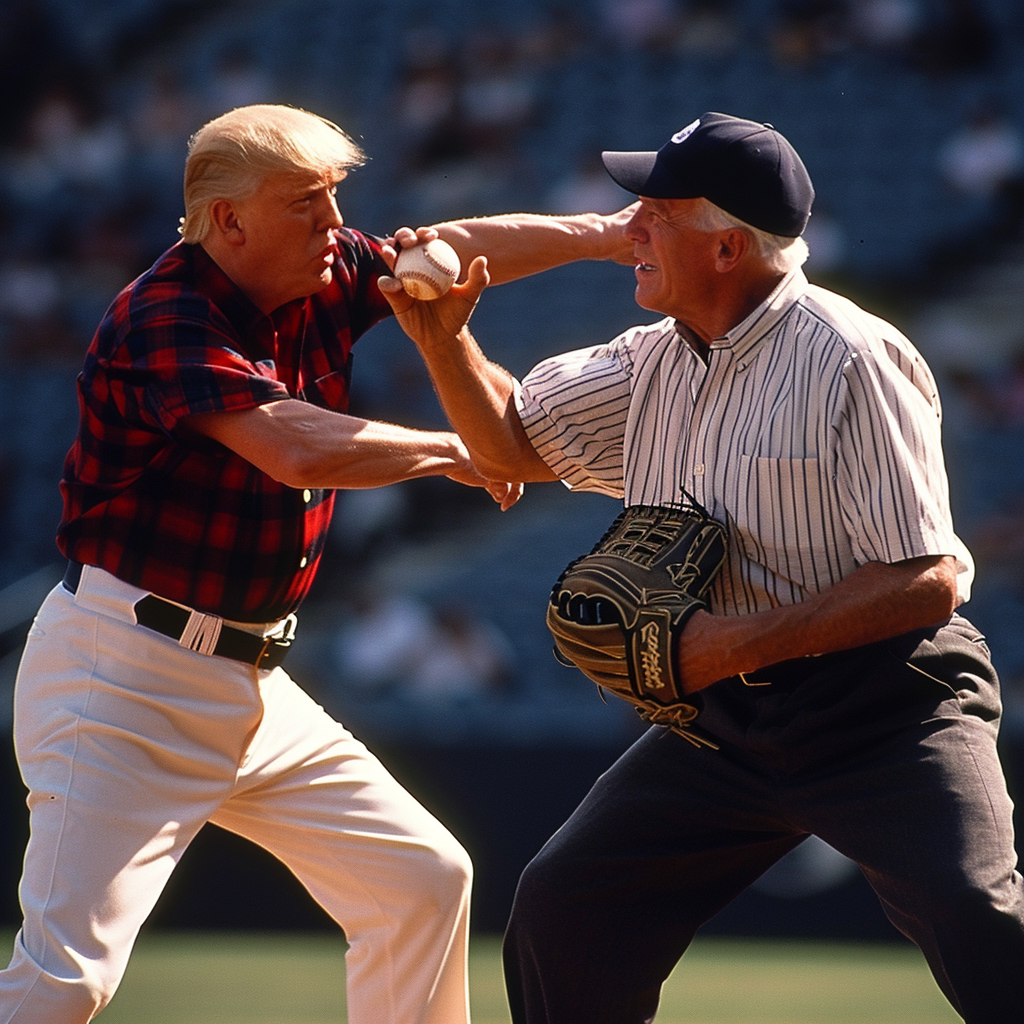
[{"x": 231, "y": 156}]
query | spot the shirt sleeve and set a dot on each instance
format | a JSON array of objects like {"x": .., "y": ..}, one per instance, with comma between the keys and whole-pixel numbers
[
  {"x": 889, "y": 464},
  {"x": 574, "y": 409},
  {"x": 220, "y": 382},
  {"x": 182, "y": 364}
]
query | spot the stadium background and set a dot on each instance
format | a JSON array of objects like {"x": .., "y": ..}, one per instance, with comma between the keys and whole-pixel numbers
[{"x": 910, "y": 117}]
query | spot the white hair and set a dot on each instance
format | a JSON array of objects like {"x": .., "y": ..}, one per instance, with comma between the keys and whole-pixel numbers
[{"x": 779, "y": 252}]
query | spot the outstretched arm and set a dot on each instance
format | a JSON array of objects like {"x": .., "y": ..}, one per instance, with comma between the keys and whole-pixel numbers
[
  {"x": 519, "y": 244},
  {"x": 302, "y": 445},
  {"x": 477, "y": 395}
]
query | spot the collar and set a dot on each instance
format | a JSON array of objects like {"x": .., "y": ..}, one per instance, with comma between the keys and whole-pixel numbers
[
  {"x": 750, "y": 331},
  {"x": 245, "y": 317}
]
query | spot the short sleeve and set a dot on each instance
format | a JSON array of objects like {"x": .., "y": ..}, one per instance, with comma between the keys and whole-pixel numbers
[
  {"x": 574, "y": 409},
  {"x": 179, "y": 365},
  {"x": 889, "y": 467}
]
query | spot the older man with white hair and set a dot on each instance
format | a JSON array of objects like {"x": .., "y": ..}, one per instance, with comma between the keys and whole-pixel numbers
[{"x": 831, "y": 689}]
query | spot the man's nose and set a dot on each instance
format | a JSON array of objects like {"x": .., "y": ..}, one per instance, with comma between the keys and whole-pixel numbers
[
  {"x": 635, "y": 231},
  {"x": 333, "y": 216}
]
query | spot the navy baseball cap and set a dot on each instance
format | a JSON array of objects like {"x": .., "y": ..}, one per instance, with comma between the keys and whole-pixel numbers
[{"x": 747, "y": 169}]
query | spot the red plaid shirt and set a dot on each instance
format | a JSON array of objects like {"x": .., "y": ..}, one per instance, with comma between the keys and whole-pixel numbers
[{"x": 181, "y": 515}]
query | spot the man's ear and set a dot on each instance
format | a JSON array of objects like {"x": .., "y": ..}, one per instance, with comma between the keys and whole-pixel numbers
[
  {"x": 224, "y": 218},
  {"x": 732, "y": 245}
]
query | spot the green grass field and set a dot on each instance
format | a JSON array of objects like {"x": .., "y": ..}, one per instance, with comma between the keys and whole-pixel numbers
[{"x": 213, "y": 978}]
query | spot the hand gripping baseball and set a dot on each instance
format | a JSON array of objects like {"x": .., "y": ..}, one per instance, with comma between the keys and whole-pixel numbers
[
  {"x": 433, "y": 321},
  {"x": 428, "y": 269}
]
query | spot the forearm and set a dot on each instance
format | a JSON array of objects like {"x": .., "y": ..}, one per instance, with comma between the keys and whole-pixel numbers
[
  {"x": 374, "y": 454},
  {"x": 478, "y": 397},
  {"x": 301, "y": 445},
  {"x": 876, "y": 602},
  {"x": 519, "y": 244}
]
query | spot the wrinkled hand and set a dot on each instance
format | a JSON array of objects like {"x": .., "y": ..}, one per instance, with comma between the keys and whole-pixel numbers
[
  {"x": 709, "y": 650},
  {"x": 434, "y": 320},
  {"x": 622, "y": 245}
]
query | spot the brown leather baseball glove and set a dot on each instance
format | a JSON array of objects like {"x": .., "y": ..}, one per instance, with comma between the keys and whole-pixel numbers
[{"x": 617, "y": 612}]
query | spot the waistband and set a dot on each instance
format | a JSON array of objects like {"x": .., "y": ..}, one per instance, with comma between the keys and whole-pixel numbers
[{"x": 203, "y": 633}]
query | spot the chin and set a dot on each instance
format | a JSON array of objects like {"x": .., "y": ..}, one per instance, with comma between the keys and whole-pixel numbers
[{"x": 645, "y": 301}]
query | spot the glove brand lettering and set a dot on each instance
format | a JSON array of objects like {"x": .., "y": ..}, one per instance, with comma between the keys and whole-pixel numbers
[
  {"x": 684, "y": 574},
  {"x": 650, "y": 656}
]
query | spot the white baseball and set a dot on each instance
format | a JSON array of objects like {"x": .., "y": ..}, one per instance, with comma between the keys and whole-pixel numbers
[{"x": 428, "y": 270}]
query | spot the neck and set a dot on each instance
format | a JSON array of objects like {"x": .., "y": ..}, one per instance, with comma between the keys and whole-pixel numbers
[
  {"x": 720, "y": 313},
  {"x": 226, "y": 257}
]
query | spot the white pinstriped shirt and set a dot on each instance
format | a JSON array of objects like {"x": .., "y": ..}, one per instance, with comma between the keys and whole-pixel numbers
[{"x": 814, "y": 432}]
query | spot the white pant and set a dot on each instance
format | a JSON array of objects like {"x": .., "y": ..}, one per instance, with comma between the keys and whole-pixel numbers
[{"x": 129, "y": 743}]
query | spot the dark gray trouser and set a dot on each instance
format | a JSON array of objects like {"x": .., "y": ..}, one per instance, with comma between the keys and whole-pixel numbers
[{"x": 887, "y": 752}]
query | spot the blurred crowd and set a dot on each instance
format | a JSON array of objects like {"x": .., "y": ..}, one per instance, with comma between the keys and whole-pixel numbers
[
  {"x": 402, "y": 645},
  {"x": 90, "y": 191}
]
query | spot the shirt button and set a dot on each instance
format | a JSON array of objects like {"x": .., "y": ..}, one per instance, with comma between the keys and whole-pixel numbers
[
  {"x": 698, "y": 470},
  {"x": 307, "y": 496},
  {"x": 303, "y": 561}
]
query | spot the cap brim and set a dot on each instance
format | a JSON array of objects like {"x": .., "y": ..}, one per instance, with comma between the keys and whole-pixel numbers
[{"x": 630, "y": 170}]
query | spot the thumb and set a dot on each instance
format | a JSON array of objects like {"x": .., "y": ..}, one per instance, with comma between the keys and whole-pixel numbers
[
  {"x": 478, "y": 277},
  {"x": 398, "y": 298}
]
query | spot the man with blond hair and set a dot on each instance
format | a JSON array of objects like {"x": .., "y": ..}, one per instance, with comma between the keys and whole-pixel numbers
[
  {"x": 197, "y": 496},
  {"x": 831, "y": 689}
]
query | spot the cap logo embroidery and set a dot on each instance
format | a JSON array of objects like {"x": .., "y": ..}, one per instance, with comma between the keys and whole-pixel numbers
[{"x": 685, "y": 133}]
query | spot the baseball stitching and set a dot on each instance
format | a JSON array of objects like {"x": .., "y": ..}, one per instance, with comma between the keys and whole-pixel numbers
[
  {"x": 443, "y": 267},
  {"x": 418, "y": 275}
]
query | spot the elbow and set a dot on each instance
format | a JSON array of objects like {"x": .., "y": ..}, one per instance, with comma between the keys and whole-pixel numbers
[
  {"x": 514, "y": 465},
  {"x": 494, "y": 468},
  {"x": 923, "y": 592},
  {"x": 950, "y": 604},
  {"x": 295, "y": 470},
  {"x": 509, "y": 454},
  {"x": 945, "y": 604},
  {"x": 943, "y": 592}
]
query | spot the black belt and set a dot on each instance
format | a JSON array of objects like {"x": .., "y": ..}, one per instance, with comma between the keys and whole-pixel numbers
[{"x": 171, "y": 619}]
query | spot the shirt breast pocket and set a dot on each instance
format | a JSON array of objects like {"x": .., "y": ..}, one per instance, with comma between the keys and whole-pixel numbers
[{"x": 782, "y": 521}]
